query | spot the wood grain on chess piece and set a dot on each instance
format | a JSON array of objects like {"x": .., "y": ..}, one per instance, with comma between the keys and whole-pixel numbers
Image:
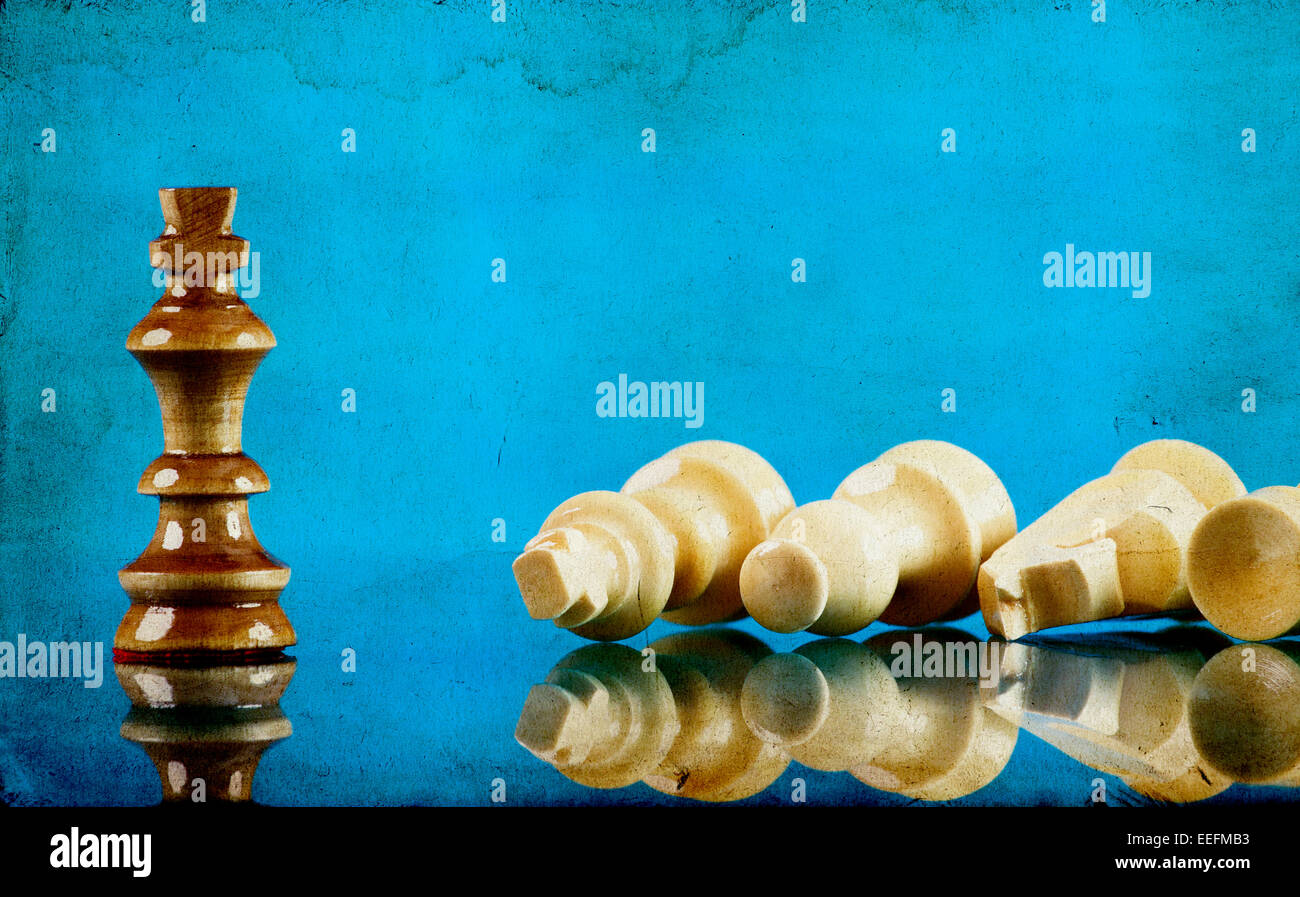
[{"x": 204, "y": 583}]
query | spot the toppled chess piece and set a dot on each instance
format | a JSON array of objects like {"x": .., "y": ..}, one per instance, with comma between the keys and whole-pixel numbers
[
  {"x": 714, "y": 757},
  {"x": 901, "y": 539},
  {"x": 1116, "y": 545},
  {"x": 608, "y": 716},
  {"x": 205, "y": 728},
  {"x": 606, "y": 564},
  {"x": 1244, "y": 564},
  {"x": 832, "y": 703},
  {"x": 204, "y": 584}
]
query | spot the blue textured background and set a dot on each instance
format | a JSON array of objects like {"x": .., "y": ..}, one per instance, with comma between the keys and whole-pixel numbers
[{"x": 476, "y": 400}]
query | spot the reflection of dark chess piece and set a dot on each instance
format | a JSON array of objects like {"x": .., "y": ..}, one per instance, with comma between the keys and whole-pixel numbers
[
  {"x": 608, "y": 716},
  {"x": 204, "y": 583},
  {"x": 205, "y": 729}
]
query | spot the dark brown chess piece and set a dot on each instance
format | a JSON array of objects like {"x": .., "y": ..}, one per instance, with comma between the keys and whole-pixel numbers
[
  {"x": 204, "y": 584},
  {"x": 206, "y": 728}
]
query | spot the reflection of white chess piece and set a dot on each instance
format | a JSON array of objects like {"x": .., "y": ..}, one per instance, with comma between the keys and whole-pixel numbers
[
  {"x": 1244, "y": 564},
  {"x": 608, "y": 716},
  {"x": 1245, "y": 713},
  {"x": 606, "y": 564},
  {"x": 600, "y": 718},
  {"x": 949, "y": 745},
  {"x": 1117, "y": 545},
  {"x": 901, "y": 539},
  {"x": 837, "y": 705},
  {"x": 831, "y": 704},
  {"x": 1122, "y": 711}
]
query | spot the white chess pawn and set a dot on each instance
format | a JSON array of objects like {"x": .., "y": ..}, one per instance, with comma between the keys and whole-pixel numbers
[
  {"x": 671, "y": 542},
  {"x": 901, "y": 539},
  {"x": 836, "y": 705}
]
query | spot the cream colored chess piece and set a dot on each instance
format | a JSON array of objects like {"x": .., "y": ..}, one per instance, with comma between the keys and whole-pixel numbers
[
  {"x": 715, "y": 757},
  {"x": 606, "y": 564},
  {"x": 837, "y": 705},
  {"x": 1118, "y": 706},
  {"x": 1244, "y": 564},
  {"x": 901, "y": 539},
  {"x": 950, "y": 744},
  {"x": 1245, "y": 713},
  {"x": 600, "y": 718},
  {"x": 832, "y": 703},
  {"x": 608, "y": 716},
  {"x": 1117, "y": 545}
]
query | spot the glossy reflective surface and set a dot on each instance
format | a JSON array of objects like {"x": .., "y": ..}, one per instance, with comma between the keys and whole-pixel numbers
[
  {"x": 205, "y": 728},
  {"x": 408, "y": 703}
]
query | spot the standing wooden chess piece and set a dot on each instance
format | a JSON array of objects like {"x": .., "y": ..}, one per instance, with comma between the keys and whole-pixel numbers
[{"x": 203, "y": 584}]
